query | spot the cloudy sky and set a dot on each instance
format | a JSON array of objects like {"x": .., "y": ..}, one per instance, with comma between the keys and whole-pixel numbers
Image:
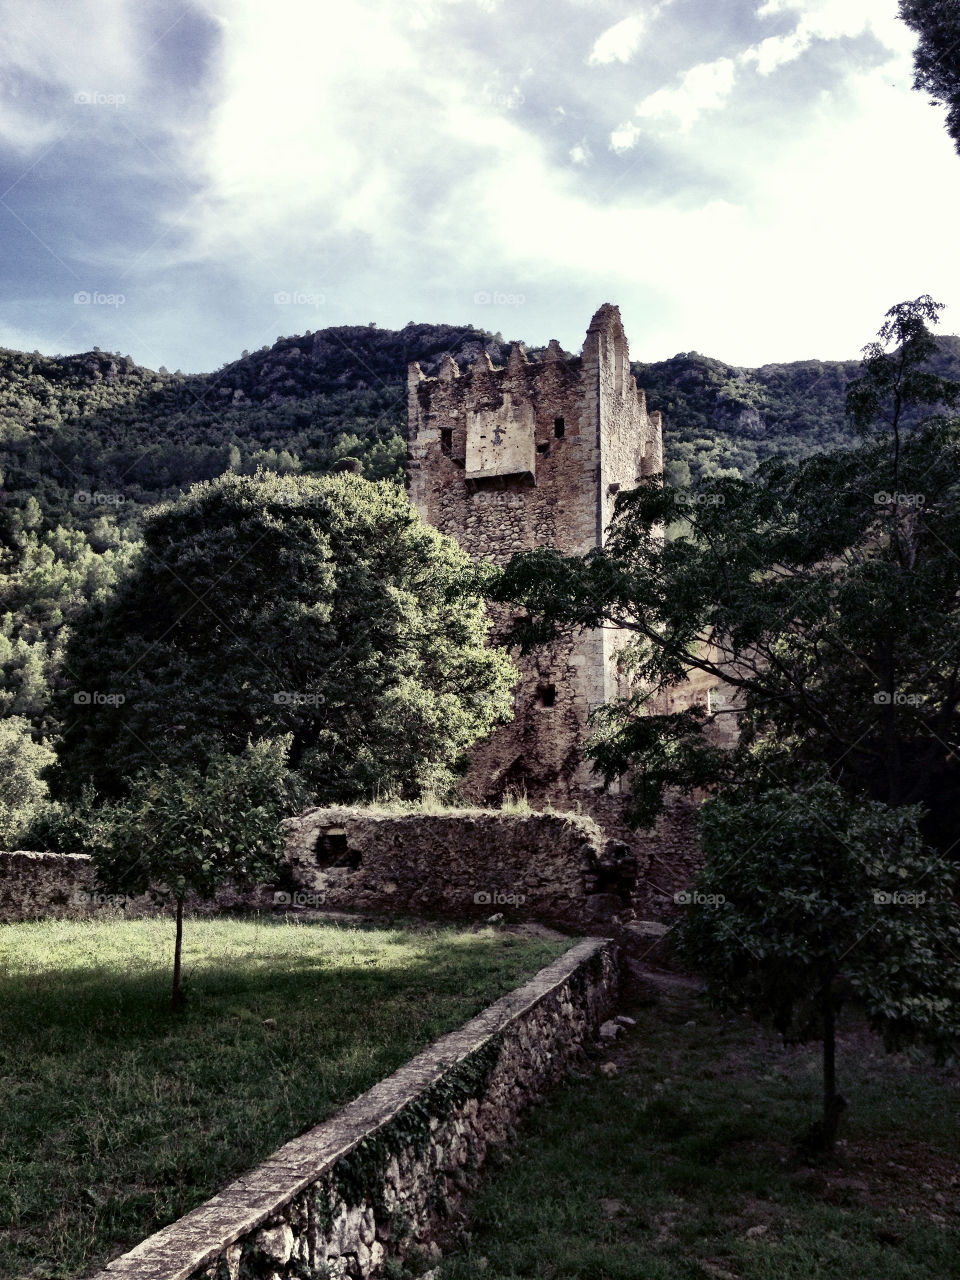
[{"x": 752, "y": 179}]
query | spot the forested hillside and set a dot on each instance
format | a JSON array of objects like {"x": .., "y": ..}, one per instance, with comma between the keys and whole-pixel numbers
[
  {"x": 719, "y": 417},
  {"x": 88, "y": 441}
]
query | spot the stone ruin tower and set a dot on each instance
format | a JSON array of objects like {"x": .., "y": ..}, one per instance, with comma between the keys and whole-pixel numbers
[{"x": 533, "y": 455}]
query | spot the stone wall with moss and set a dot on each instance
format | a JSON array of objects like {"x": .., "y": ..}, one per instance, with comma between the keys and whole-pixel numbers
[
  {"x": 554, "y": 867},
  {"x": 379, "y": 1179}
]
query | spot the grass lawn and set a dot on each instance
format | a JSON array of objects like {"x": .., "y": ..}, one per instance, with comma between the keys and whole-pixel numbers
[
  {"x": 116, "y": 1117},
  {"x": 682, "y": 1165}
]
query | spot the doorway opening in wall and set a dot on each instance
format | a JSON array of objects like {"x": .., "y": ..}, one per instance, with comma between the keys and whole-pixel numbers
[
  {"x": 446, "y": 441},
  {"x": 559, "y": 428}
]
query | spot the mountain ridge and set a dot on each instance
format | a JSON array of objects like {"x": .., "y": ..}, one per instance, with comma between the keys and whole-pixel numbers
[{"x": 96, "y": 421}]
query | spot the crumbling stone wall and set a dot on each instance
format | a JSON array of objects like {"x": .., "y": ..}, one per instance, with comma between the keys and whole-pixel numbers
[
  {"x": 378, "y": 1179},
  {"x": 558, "y": 868},
  {"x": 550, "y": 867},
  {"x": 37, "y": 886},
  {"x": 41, "y": 886}
]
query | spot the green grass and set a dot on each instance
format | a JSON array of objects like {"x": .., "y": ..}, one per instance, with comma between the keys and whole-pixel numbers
[
  {"x": 116, "y": 1116},
  {"x": 683, "y": 1165}
]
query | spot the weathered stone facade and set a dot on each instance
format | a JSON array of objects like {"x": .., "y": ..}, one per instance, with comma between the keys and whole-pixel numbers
[
  {"x": 557, "y": 868},
  {"x": 533, "y": 455},
  {"x": 377, "y": 1179}
]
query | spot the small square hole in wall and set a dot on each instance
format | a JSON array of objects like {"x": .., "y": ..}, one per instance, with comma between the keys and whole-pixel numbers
[
  {"x": 543, "y": 448},
  {"x": 333, "y": 851},
  {"x": 446, "y": 441},
  {"x": 547, "y": 695},
  {"x": 559, "y": 428}
]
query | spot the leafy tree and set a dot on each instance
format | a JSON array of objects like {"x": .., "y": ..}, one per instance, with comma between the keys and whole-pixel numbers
[
  {"x": 264, "y": 606},
  {"x": 22, "y": 789},
  {"x": 936, "y": 58},
  {"x": 188, "y": 830},
  {"x": 826, "y": 592},
  {"x": 808, "y": 901}
]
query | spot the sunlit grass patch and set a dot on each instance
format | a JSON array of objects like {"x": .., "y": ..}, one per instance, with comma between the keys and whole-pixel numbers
[{"x": 119, "y": 1116}]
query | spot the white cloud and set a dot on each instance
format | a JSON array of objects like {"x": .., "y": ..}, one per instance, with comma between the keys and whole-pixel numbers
[
  {"x": 624, "y": 137},
  {"x": 825, "y": 20},
  {"x": 618, "y": 43},
  {"x": 703, "y": 88},
  {"x": 89, "y": 47},
  {"x": 308, "y": 153}
]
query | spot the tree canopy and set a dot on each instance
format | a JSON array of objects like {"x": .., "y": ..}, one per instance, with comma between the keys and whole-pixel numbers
[
  {"x": 936, "y": 58},
  {"x": 806, "y": 901},
  {"x": 826, "y": 592},
  {"x": 258, "y": 607}
]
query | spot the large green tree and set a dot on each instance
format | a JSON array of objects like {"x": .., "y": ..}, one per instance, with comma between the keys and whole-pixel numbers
[
  {"x": 827, "y": 593},
  {"x": 322, "y": 609},
  {"x": 937, "y": 55}
]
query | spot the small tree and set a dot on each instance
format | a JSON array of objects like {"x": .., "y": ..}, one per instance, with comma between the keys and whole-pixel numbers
[
  {"x": 807, "y": 900},
  {"x": 183, "y": 830}
]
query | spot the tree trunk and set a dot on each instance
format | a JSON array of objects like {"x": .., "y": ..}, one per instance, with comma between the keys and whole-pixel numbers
[
  {"x": 178, "y": 997},
  {"x": 833, "y": 1103}
]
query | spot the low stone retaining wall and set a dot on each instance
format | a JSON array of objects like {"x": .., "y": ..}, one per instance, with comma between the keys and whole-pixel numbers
[
  {"x": 37, "y": 886},
  {"x": 557, "y": 867},
  {"x": 44, "y": 886},
  {"x": 375, "y": 1181}
]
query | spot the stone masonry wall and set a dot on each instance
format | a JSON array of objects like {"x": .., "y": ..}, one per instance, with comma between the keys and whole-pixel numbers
[
  {"x": 42, "y": 886},
  {"x": 380, "y": 1177},
  {"x": 533, "y": 455},
  {"x": 551, "y": 867},
  {"x": 557, "y": 868}
]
